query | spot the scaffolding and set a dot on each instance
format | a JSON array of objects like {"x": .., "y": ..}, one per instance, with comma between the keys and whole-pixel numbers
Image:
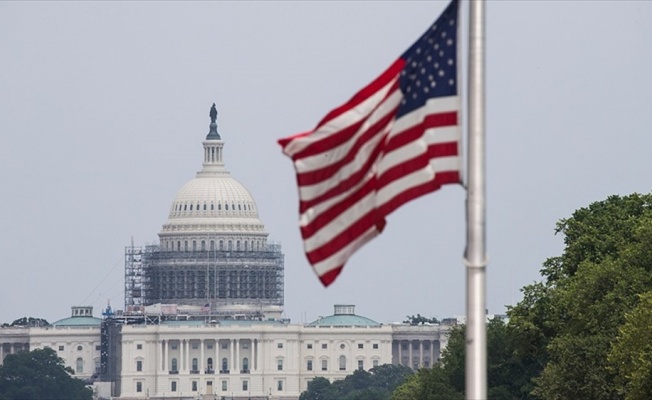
[{"x": 203, "y": 278}]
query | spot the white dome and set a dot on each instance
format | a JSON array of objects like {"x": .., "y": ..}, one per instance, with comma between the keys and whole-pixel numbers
[{"x": 212, "y": 204}]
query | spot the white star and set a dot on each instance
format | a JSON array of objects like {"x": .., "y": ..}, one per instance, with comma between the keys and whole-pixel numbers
[
  {"x": 441, "y": 72},
  {"x": 451, "y": 82},
  {"x": 450, "y": 61}
]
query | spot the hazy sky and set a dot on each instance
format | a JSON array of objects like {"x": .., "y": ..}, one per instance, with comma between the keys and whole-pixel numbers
[{"x": 103, "y": 107}]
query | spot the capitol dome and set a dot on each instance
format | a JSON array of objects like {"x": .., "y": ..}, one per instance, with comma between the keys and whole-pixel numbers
[{"x": 213, "y": 206}]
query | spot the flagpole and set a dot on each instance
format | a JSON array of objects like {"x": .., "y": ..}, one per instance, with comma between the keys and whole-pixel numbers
[{"x": 475, "y": 257}]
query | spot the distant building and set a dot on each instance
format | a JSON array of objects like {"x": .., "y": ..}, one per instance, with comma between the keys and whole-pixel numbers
[{"x": 203, "y": 313}]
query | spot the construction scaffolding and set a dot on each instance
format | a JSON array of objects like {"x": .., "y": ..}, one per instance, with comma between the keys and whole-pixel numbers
[{"x": 210, "y": 278}]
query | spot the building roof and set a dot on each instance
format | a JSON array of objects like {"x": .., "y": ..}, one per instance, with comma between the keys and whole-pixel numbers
[
  {"x": 344, "y": 316},
  {"x": 78, "y": 321}
]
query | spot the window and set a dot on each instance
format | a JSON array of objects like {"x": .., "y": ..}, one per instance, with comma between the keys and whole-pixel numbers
[
  {"x": 174, "y": 364},
  {"x": 79, "y": 366},
  {"x": 279, "y": 345},
  {"x": 139, "y": 365},
  {"x": 360, "y": 345},
  {"x": 375, "y": 345},
  {"x": 324, "y": 346},
  {"x": 225, "y": 365},
  {"x": 279, "y": 385},
  {"x": 209, "y": 363},
  {"x": 173, "y": 346},
  {"x": 245, "y": 364},
  {"x": 245, "y": 345},
  {"x": 194, "y": 386},
  {"x": 60, "y": 348},
  {"x": 324, "y": 365},
  {"x": 360, "y": 364},
  {"x": 173, "y": 386},
  {"x": 79, "y": 348},
  {"x": 279, "y": 364},
  {"x": 139, "y": 347},
  {"x": 342, "y": 346},
  {"x": 245, "y": 385},
  {"x": 139, "y": 387},
  {"x": 375, "y": 363},
  {"x": 195, "y": 364},
  {"x": 309, "y": 365},
  {"x": 97, "y": 347},
  {"x": 195, "y": 346},
  {"x": 225, "y": 345},
  {"x": 309, "y": 345},
  {"x": 342, "y": 363},
  {"x": 225, "y": 386}
]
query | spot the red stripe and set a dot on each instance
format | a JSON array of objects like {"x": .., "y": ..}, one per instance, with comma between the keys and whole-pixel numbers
[
  {"x": 346, "y": 184},
  {"x": 328, "y": 278},
  {"x": 327, "y": 172},
  {"x": 323, "y": 218},
  {"x": 368, "y": 91},
  {"x": 344, "y": 238},
  {"x": 441, "y": 178},
  {"x": 438, "y": 120}
]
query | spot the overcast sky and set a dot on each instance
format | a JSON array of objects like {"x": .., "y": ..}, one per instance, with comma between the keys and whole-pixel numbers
[{"x": 103, "y": 107}]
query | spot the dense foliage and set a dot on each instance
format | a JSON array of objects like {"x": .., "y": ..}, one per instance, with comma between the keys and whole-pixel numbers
[
  {"x": 376, "y": 384},
  {"x": 419, "y": 320},
  {"x": 28, "y": 322},
  {"x": 584, "y": 332},
  {"x": 39, "y": 375}
]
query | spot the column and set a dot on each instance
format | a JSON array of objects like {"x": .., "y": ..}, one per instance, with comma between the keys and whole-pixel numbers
[
  {"x": 181, "y": 358},
  {"x": 202, "y": 361},
  {"x": 217, "y": 363},
  {"x": 432, "y": 353},
  {"x": 236, "y": 363},
  {"x": 231, "y": 353},
  {"x": 160, "y": 356},
  {"x": 420, "y": 353},
  {"x": 400, "y": 352},
  {"x": 187, "y": 355},
  {"x": 166, "y": 353},
  {"x": 410, "y": 353},
  {"x": 255, "y": 354}
]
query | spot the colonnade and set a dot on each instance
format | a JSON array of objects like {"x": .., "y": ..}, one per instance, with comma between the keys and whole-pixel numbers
[
  {"x": 432, "y": 352},
  {"x": 238, "y": 350}
]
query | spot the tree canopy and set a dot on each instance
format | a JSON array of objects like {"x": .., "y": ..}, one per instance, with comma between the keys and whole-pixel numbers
[
  {"x": 376, "y": 384},
  {"x": 419, "y": 320},
  {"x": 39, "y": 375},
  {"x": 28, "y": 322}
]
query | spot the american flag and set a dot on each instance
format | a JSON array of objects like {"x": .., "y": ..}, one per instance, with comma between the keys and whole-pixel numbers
[{"x": 397, "y": 139}]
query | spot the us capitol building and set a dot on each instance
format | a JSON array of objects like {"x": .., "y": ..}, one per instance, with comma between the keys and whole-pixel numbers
[{"x": 203, "y": 314}]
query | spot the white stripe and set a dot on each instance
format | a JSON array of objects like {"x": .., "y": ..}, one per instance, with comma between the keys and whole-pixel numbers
[
  {"x": 435, "y": 105},
  {"x": 309, "y": 192},
  {"x": 340, "y": 223},
  {"x": 348, "y": 118},
  {"x": 400, "y": 185},
  {"x": 341, "y": 257}
]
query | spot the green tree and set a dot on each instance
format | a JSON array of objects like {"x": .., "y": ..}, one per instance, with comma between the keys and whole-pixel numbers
[
  {"x": 419, "y": 320},
  {"x": 27, "y": 321},
  {"x": 39, "y": 375},
  {"x": 564, "y": 326},
  {"x": 631, "y": 354}
]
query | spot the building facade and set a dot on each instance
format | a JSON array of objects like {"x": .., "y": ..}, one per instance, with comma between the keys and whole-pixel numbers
[{"x": 203, "y": 314}]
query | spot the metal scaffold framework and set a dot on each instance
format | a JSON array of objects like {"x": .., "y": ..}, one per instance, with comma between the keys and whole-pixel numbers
[{"x": 203, "y": 278}]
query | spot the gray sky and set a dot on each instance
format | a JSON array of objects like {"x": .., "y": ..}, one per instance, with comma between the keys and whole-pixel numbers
[{"x": 103, "y": 107}]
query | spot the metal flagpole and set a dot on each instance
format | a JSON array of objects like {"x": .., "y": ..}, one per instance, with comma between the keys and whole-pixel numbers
[{"x": 475, "y": 257}]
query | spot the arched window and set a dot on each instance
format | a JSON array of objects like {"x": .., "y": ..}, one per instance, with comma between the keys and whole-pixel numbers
[
  {"x": 221, "y": 245},
  {"x": 79, "y": 366},
  {"x": 197, "y": 207},
  {"x": 219, "y": 206},
  {"x": 230, "y": 245},
  {"x": 342, "y": 363},
  {"x": 203, "y": 245},
  {"x": 212, "y": 245},
  {"x": 191, "y": 207},
  {"x": 174, "y": 364},
  {"x": 225, "y": 364},
  {"x": 185, "y": 245},
  {"x": 195, "y": 364},
  {"x": 226, "y": 207},
  {"x": 204, "y": 206},
  {"x": 237, "y": 245},
  {"x": 185, "y": 207},
  {"x": 194, "y": 245},
  {"x": 246, "y": 247},
  {"x": 179, "y": 246},
  {"x": 212, "y": 207},
  {"x": 245, "y": 364},
  {"x": 239, "y": 209},
  {"x": 209, "y": 364}
]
